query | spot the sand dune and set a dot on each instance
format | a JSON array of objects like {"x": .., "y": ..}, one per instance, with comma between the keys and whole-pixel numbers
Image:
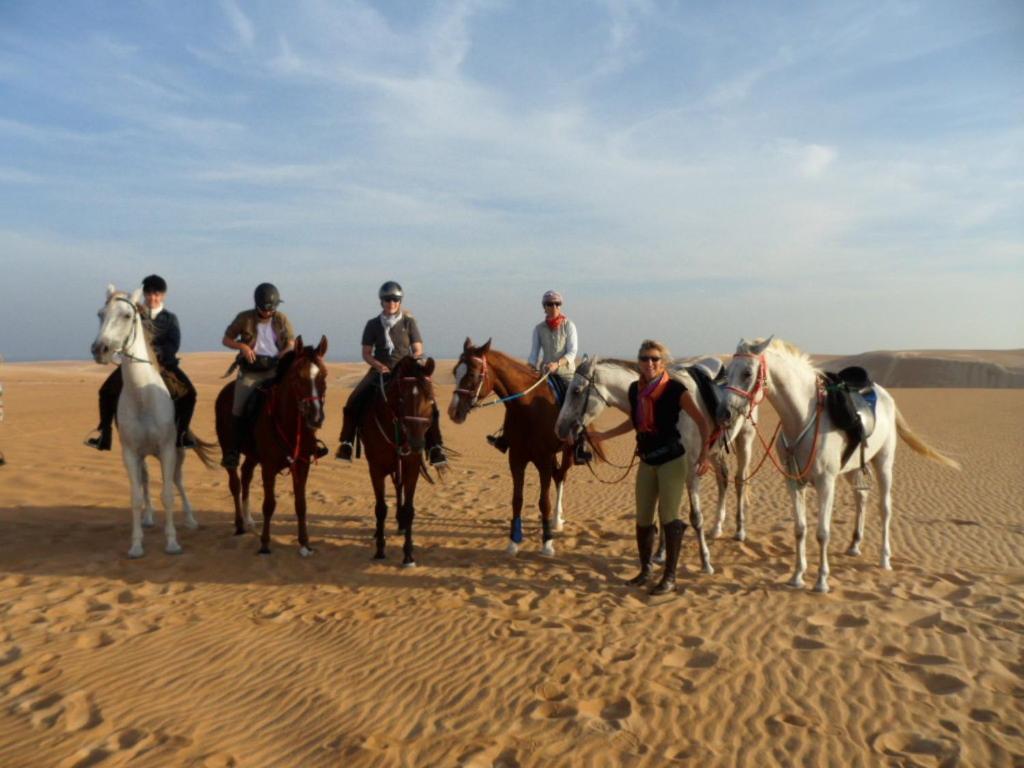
[
  {"x": 219, "y": 657},
  {"x": 988, "y": 369}
]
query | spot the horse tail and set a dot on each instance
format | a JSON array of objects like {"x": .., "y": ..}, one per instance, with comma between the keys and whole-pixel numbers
[
  {"x": 205, "y": 451},
  {"x": 920, "y": 446}
]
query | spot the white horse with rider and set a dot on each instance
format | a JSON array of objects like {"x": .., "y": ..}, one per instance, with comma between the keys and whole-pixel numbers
[
  {"x": 812, "y": 449},
  {"x": 145, "y": 416}
]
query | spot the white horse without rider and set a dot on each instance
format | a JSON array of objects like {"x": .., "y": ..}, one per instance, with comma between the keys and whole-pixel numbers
[
  {"x": 600, "y": 383},
  {"x": 811, "y": 447},
  {"x": 145, "y": 416}
]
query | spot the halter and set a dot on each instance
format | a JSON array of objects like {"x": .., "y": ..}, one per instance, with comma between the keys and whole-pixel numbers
[
  {"x": 400, "y": 441},
  {"x": 293, "y": 454},
  {"x": 476, "y": 395},
  {"x": 591, "y": 388},
  {"x": 756, "y": 394},
  {"x": 483, "y": 375}
]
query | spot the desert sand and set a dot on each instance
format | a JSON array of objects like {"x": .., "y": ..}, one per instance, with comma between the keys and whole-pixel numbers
[{"x": 220, "y": 657}]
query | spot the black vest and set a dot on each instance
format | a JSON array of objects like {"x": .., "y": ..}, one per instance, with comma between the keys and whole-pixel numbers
[{"x": 665, "y": 443}]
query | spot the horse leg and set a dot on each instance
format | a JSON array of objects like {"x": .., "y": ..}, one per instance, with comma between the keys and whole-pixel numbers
[
  {"x": 300, "y": 473},
  {"x": 518, "y": 469},
  {"x": 559, "y": 477},
  {"x": 407, "y": 513},
  {"x": 179, "y": 482},
  {"x": 168, "y": 458},
  {"x": 721, "y": 470},
  {"x": 800, "y": 532},
  {"x": 248, "y": 467},
  {"x": 826, "y": 487},
  {"x": 380, "y": 511},
  {"x": 148, "y": 516},
  {"x": 269, "y": 502},
  {"x": 697, "y": 520},
  {"x": 548, "y": 547},
  {"x": 133, "y": 464},
  {"x": 744, "y": 453},
  {"x": 883, "y": 468},
  {"x": 861, "y": 497},
  {"x": 235, "y": 486}
]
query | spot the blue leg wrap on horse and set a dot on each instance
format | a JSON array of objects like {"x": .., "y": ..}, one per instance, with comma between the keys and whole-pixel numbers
[{"x": 517, "y": 530}]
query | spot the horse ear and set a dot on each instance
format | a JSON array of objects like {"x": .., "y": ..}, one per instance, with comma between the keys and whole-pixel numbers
[
  {"x": 486, "y": 348},
  {"x": 111, "y": 290},
  {"x": 137, "y": 296},
  {"x": 321, "y": 348},
  {"x": 299, "y": 348},
  {"x": 757, "y": 349},
  {"x": 467, "y": 344},
  {"x": 428, "y": 369}
]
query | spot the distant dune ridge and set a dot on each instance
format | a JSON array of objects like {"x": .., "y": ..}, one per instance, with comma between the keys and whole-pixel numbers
[{"x": 967, "y": 369}]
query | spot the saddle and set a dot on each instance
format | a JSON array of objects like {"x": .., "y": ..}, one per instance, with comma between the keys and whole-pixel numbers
[
  {"x": 709, "y": 373},
  {"x": 174, "y": 385},
  {"x": 850, "y": 397}
]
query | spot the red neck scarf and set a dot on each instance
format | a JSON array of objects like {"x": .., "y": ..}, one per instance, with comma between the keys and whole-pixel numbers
[
  {"x": 646, "y": 398},
  {"x": 554, "y": 322}
]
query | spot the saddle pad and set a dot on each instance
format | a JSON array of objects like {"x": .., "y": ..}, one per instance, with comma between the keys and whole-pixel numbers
[{"x": 709, "y": 393}]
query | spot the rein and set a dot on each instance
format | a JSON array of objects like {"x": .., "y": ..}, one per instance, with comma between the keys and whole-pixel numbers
[
  {"x": 130, "y": 338},
  {"x": 475, "y": 395},
  {"x": 292, "y": 454}
]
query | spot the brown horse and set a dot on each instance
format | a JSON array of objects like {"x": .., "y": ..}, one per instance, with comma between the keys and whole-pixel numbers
[
  {"x": 393, "y": 432},
  {"x": 282, "y": 437},
  {"x": 530, "y": 414}
]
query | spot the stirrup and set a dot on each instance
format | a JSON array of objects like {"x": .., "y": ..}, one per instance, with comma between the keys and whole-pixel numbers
[
  {"x": 319, "y": 449},
  {"x": 98, "y": 442},
  {"x": 344, "y": 452},
  {"x": 438, "y": 458}
]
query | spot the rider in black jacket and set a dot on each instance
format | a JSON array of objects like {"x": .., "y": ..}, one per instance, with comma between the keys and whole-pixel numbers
[{"x": 166, "y": 341}]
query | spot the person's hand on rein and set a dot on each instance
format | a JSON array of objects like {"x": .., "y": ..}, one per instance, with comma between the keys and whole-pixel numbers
[{"x": 248, "y": 353}]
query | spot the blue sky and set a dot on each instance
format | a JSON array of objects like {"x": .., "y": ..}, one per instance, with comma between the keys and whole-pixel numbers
[{"x": 846, "y": 175}]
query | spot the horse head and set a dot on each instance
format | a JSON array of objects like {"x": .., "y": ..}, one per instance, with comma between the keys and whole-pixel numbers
[
  {"x": 118, "y": 328},
  {"x": 471, "y": 380},
  {"x": 303, "y": 379},
  {"x": 410, "y": 395},
  {"x": 584, "y": 400},
  {"x": 746, "y": 377}
]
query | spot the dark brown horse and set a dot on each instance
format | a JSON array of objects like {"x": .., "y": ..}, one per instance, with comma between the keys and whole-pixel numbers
[
  {"x": 393, "y": 433},
  {"x": 283, "y": 436},
  {"x": 530, "y": 414}
]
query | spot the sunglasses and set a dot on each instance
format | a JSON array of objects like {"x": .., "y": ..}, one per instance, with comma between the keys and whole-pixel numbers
[
  {"x": 392, "y": 298},
  {"x": 552, "y": 303},
  {"x": 267, "y": 308},
  {"x": 649, "y": 359}
]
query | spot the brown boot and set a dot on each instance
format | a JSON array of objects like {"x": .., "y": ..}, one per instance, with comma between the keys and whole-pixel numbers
[{"x": 673, "y": 543}]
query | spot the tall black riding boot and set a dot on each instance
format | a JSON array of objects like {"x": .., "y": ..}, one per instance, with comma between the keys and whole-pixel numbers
[
  {"x": 184, "y": 407},
  {"x": 110, "y": 393},
  {"x": 673, "y": 543},
  {"x": 232, "y": 450},
  {"x": 435, "y": 447},
  {"x": 645, "y": 535},
  {"x": 349, "y": 423}
]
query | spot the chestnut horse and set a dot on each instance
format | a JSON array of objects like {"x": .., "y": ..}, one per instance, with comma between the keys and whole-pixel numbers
[
  {"x": 529, "y": 428},
  {"x": 282, "y": 437},
  {"x": 393, "y": 431}
]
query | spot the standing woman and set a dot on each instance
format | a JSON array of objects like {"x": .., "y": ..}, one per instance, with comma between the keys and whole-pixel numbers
[{"x": 655, "y": 402}]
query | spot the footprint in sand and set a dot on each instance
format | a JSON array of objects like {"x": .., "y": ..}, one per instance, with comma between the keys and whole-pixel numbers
[
  {"x": 904, "y": 744},
  {"x": 935, "y": 621},
  {"x": 984, "y": 716},
  {"x": 807, "y": 644},
  {"x": 699, "y": 660},
  {"x": 617, "y": 709},
  {"x": 941, "y": 684}
]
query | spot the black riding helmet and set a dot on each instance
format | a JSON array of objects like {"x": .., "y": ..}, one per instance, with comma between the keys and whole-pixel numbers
[
  {"x": 267, "y": 296},
  {"x": 390, "y": 289},
  {"x": 154, "y": 284}
]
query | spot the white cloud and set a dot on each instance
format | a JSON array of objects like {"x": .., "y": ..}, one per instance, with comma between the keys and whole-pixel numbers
[
  {"x": 815, "y": 159},
  {"x": 240, "y": 23}
]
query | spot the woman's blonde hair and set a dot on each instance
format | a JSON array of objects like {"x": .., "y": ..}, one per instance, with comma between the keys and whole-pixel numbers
[{"x": 647, "y": 344}]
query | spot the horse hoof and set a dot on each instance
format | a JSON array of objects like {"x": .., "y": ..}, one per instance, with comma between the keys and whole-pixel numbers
[
  {"x": 135, "y": 553},
  {"x": 263, "y": 551},
  {"x": 853, "y": 551},
  {"x": 240, "y": 532},
  {"x": 306, "y": 551},
  {"x": 740, "y": 536},
  {"x": 548, "y": 550},
  {"x": 796, "y": 582},
  {"x": 709, "y": 570},
  {"x": 173, "y": 549},
  {"x": 378, "y": 556},
  {"x": 659, "y": 558},
  {"x": 191, "y": 523},
  {"x": 410, "y": 564},
  {"x": 512, "y": 548},
  {"x": 148, "y": 522},
  {"x": 714, "y": 533},
  {"x": 886, "y": 565},
  {"x": 821, "y": 587}
]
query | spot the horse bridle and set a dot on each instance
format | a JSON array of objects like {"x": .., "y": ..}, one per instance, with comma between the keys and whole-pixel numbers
[
  {"x": 130, "y": 338},
  {"x": 755, "y": 394},
  {"x": 591, "y": 388},
  {"x": 401, "y": 441},
  {"x": 480, "y": 385}
]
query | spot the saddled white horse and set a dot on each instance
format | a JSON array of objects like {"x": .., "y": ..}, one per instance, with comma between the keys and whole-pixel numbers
[
  {"x": 145, "y": 416},
  {"x": 811, "y": 447},
  {"x": 600, "y": 383}
]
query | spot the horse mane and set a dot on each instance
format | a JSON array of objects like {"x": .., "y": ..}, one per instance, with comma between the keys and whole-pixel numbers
[
  {"x": 629, "y": 365},
  {"x": 791, "y": 352},
  {"x": 517, "y": 365}
]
